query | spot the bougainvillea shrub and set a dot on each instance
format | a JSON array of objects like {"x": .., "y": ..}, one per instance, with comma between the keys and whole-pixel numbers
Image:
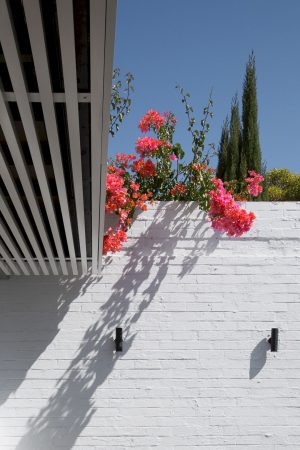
[{"x": 158, "y": 171}]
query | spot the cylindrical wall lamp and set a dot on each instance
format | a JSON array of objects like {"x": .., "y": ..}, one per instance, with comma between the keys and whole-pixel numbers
[
  {"x": 119, "y": 340},
  {"x": 273, "y": 341}
]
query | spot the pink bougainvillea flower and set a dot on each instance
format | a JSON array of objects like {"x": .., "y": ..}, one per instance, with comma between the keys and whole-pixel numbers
[
  {"x": 199, "y": 167},
  {"x": 124, "y": 159},
  {"x": 147, "y": 145},
  {"x": 178, "y": 189},
  {"x": 111, "y": 169},
  {"x": 144, "y": 168},
  {"x": 114, "y": 182},
  {"x": 128, "y": 186},
  {"x": 152, "y": 119},
  {"x": 253, "y": 183},
  {"x": 170, "y": 116},
  {"x": 117, "y": 198},
  {"x": 225, "y": 214},
  {"x": 117, "y": 201},
  {"x": 134, "y": 186},
  {"x": 113, "y": 240}
]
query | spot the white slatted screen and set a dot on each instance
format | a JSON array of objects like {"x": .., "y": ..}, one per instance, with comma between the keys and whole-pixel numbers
[{"x": 55, "y": 85}]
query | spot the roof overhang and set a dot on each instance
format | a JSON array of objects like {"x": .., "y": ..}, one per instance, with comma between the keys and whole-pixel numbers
[{"x": 56, "y": 74}]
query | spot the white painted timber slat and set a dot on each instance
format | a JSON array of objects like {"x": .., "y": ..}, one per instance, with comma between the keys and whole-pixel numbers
[
  {"x": 10, "y": 50},
  {"x": 58, "y": 97},
  {"x": 11, "y": 222},
  {"x": 67, "y": 44},
  {"x": 15, "y": 198},
  {"x": 39, "y": 53},
  {"x": 4, "y": 269},
  {"x": 13, "y": 249},
  {"x": 97, "y": 45},
  {"x": 8, "y": 260},
  {"x": 108, "y": 68},
  {"x": 13, "y": 143}
]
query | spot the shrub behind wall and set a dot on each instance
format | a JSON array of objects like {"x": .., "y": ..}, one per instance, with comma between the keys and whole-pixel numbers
[{"x": 283, "y": 185}]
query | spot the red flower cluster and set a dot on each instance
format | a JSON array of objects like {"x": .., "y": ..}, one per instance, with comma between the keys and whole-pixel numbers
[
  {"x": 123, "y": 200},
  {"x": 144, "y": 168},
  {"x": 152, "y": 119},
  {"x": 113, "y": 240},
  {"x": 124, "y": 160},
  {"x": 178, "y": 189},
  {"x": 199, "y": 167},
  {"x": 117, "y": 198},
  {"x": 147, "y": 145},
  {"x": 141, "y": 199},
  {"x": 170, "y": 117},
  {"x": 225, "y": 214},
  {"x": 126, "y": 188},
  {"x": 114, "y": 183},
  {"x": 253, "y": 186}
]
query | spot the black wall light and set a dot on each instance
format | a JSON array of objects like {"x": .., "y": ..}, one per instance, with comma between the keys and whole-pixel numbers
[
  {"x": 119, "y": 340},
  {"x": 273, "y": 341}
]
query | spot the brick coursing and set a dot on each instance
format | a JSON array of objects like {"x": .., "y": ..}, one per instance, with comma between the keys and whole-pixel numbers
[{"x": 196, "y": 371}]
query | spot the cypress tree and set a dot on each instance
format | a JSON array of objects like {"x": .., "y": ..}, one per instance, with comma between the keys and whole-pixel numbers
[
  {"x": 242, "y": 170},
  {"x": 250, "y": 158},
  {"x": 222, "y": 152},
  {"x": 234, "y": 145}
]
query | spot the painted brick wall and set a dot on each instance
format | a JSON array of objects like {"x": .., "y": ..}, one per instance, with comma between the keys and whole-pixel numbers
[{"x": 196, "y": 371}]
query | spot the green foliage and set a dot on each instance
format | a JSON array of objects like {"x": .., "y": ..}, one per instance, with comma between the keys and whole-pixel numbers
[
  {"x": 243, "y": 166},
  {"x": 233, "y": 151},
  {"x": 120, "y": 100},
  {"x": 283, "y": 185},
  {"x": 275, "y": 194},
  {"x": 243, "y": 151},
  {"x": 182, "y": 180},
  {"x": 173, "y": 178},
  {"x": 251, "y": 155},
  {"x": 161, "y": 184},
  {"x": 264, "y": 195},
  {"x": 186, "y": 172},
  {"x": 222, "y": 152},
  {"x": 198, "y": 134}
]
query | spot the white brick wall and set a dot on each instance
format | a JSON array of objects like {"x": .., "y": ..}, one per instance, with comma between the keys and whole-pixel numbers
[{"x": 196, "y": 371}]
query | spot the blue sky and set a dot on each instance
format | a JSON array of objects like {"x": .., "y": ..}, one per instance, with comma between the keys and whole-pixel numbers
[{"x": 204, "y": 45}]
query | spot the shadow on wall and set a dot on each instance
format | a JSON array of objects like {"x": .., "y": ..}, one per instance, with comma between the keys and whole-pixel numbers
[
  {"x": 29, "y": 322},
  {"x": 258, "y": 358},
  {"x": 72, "y": 406},
  {"x": 205, "y": 246}
]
